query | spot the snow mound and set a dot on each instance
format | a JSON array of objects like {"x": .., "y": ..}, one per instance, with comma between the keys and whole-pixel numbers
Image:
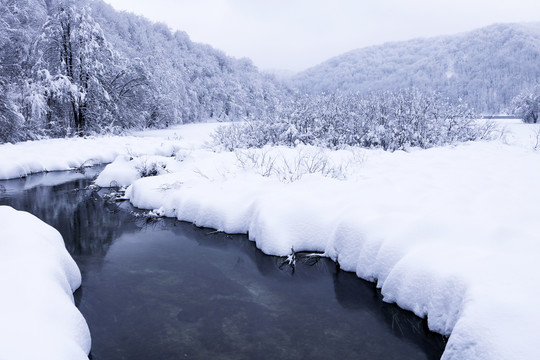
[
  {"x": 39, "y": 319},
  {"x": 124, "y": 170}
]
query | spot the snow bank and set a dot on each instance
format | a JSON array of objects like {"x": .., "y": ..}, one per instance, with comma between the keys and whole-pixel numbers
[
  {"x": 126, "y": 169},
  {"x": 21, "y": 159},
  {"x": 38, "y": 317},
  {"x": 449, "y": 233}
]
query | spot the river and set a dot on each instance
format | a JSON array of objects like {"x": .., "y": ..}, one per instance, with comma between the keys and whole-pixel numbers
[{"x": 158, "y": 288}]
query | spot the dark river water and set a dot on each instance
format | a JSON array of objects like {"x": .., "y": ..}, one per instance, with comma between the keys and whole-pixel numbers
[{"x": 164, "y": 289}]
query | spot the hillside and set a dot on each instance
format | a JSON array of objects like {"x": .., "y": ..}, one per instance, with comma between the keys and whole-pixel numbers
[
  {"x": 80, "y": 67},
  {"x": 485, "y": 68},
  {"x": 205, "y": 81}
]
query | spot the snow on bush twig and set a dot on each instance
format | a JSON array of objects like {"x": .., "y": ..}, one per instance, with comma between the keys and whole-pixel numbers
[
  {"x": 292, "y": 165},
  {"x": 388, "y": 120}
]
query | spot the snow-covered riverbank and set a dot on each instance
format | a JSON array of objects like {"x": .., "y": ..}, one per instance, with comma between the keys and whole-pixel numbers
[
  {"x": 450, "y": 233},
  {"x": 21, "y": 159},
  {"x": 39, "y": 319}
]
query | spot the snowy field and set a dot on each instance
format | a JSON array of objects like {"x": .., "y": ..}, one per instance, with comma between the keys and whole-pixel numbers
[
  {"x": 21, "y": 159},
  {"x": 450, "y": 233}
]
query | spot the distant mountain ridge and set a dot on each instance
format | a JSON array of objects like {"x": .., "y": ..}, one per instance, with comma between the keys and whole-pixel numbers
[{"x": 485, "y": 68}]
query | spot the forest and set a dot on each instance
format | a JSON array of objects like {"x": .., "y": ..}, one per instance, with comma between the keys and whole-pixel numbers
[
  {"x": 80, "y": 67},
  {"x": 77, "y": 68},
  {"x": 485, "y": 68}
]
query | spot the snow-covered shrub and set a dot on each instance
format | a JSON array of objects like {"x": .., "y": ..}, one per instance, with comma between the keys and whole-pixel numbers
[
  {"x": 289, "y": 165},
  {"x": 527, "y": 105},
  {"x": 150, "y": 168},
  {"x": 411, "y": 118},
  {"x": 262, "y": 161},
  {"x": 235, "y": 135},
  {"x": 388, "y": 120},
  {"x": 248, "y": 134}
]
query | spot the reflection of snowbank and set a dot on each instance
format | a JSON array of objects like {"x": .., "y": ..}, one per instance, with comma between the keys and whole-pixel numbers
[
  {"x": 48, "y": 179},
  {"x": 38, "y": 317}
]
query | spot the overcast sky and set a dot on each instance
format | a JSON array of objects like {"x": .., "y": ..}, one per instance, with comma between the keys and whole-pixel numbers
[{"x": 297, "y": 34}]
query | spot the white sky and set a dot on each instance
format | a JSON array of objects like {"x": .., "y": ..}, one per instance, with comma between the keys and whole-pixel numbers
[{"x": 297, "y": 34}]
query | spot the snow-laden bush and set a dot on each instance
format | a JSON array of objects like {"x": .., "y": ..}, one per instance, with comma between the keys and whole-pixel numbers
[
  {"x": 527, "y": 105},
  {"x": 388, "y": 120},
  {"x": 289, "y": 165},
  {"x": 147, "y": 168}
]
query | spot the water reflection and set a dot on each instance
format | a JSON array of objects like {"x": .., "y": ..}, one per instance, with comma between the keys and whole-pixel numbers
[
  {"x": 86, "y": 221},
  {"x": 167, "y": 290}
]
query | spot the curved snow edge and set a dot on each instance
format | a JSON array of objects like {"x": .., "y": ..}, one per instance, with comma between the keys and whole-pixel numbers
[
  {"x": 444, "y": 232},
  {"x": 305, "y": 226},
  {"x": 38, "y": 278}
]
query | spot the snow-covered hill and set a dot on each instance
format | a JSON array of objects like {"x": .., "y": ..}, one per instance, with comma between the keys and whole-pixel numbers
[{"x": 485, "y": 68}]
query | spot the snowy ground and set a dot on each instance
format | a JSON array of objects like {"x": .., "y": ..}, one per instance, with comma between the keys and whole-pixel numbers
[
  {"x": 450, "y": 233},
  {"x": 17, "y": 160},
  {"x": 39, "y": 319}
]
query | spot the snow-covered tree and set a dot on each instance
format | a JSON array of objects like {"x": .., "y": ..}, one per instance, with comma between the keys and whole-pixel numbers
[
  {"x": 10, "y": 120},
  {"x": 75, "y": 48},
  {"x": 20, "y": 21},
  {"x": 74, "y": 67}
]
